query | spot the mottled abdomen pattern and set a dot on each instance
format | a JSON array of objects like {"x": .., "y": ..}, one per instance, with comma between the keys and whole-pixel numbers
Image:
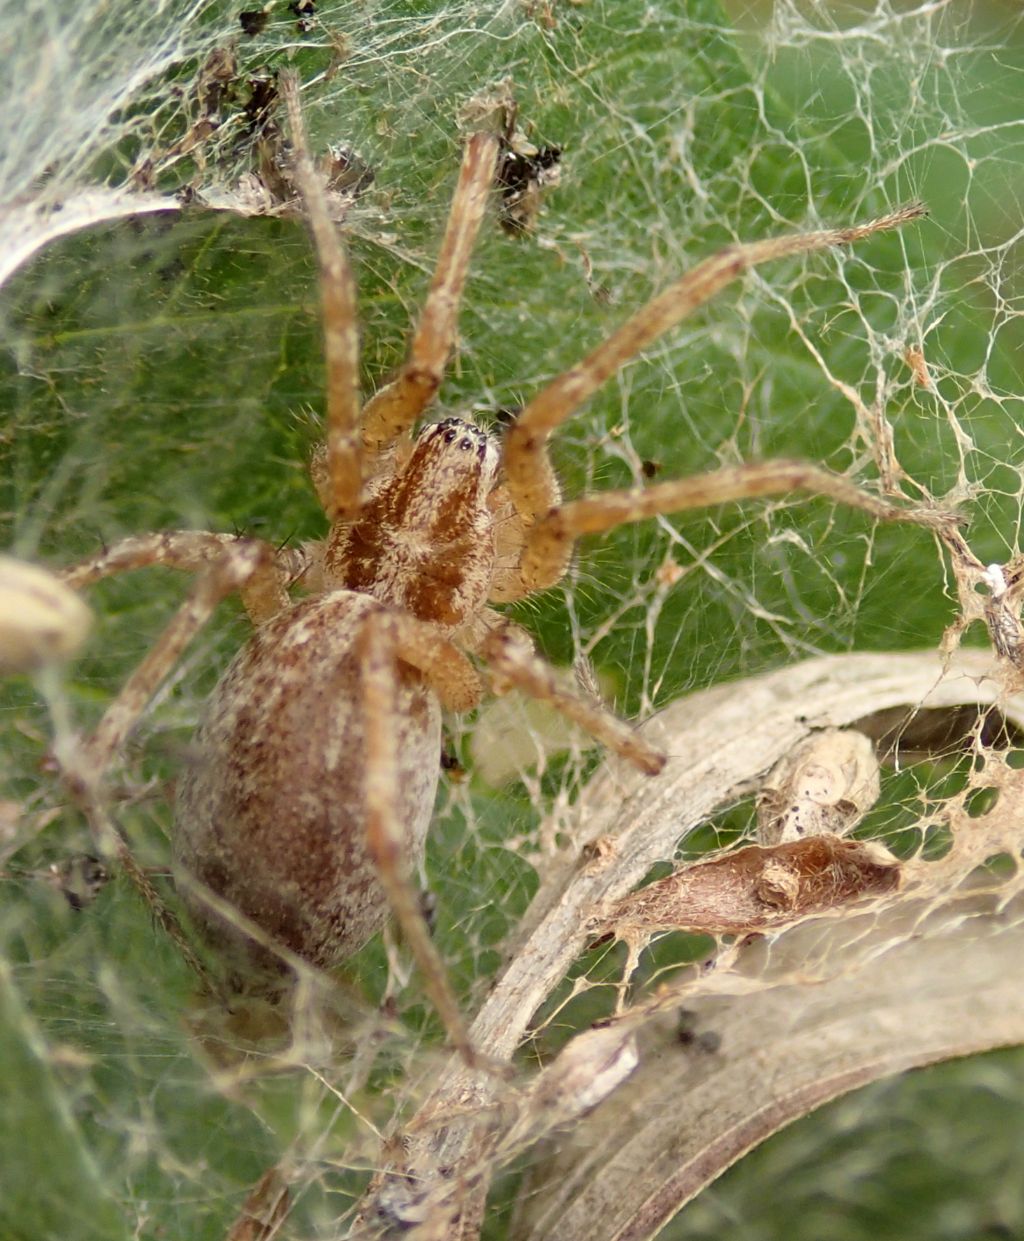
[{"x": 270, "y": 809}]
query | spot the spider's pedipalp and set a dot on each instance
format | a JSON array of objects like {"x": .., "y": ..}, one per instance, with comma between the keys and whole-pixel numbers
[{"x": 396, "y": 406}]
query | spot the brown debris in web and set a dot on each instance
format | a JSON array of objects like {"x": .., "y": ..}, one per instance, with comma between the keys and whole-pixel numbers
[
  {"x": 757, "y": 889},
  {"x": 226, "y": 100},
  {"x": 913, "y": 355},
  {"x": 525, "y": 170},
  {"x": 305, "y": 12},
  {"x": 253, "y": 21},
  {"x": 209, "y": 99},
  {"x": 524, "y": 173},
  {"x": 824, "y": 786},
  {"x": 993, "y": 594},
  {"x": 264, "y": 1210}
]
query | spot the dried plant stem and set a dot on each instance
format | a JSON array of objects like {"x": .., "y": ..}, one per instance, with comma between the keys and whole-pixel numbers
[
  {"x": 627, "y": 823},
  {"x": 687, "y": 1114},
  {"x": 30, "y": 227}
]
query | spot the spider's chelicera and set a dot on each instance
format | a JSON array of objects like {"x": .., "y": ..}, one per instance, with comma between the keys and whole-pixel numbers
[{"x": 308, "y": 797}]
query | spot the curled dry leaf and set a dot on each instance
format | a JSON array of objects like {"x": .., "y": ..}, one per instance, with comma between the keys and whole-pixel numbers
[
  {"x": 757, "y": 888},
  {"x": 824, "y": 786}
]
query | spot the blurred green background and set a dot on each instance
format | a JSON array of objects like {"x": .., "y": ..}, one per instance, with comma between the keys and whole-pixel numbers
[{"x": 166, "y": 372}]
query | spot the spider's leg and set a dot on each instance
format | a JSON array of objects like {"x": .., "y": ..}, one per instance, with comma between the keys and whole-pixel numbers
[
  {"x": 340, "y": 326},
  {"x": 395, "y": 408},
  {"x": 110, "y": 841},
  {"x": 530, "y": 477},
  {"x": 231, "y": 572},
  {"x": 549, "y": 542},
  {"x": 511, "y": 657},
  {"x": 86, "y": 763},
  {"x": 384, "y": 640},
  {"x": 264, "y": 591}
]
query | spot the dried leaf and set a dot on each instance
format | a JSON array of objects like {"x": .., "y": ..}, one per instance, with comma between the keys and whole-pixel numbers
[
  {"x": 823, "y": 786},
  {"x": 757, "y": 889}
]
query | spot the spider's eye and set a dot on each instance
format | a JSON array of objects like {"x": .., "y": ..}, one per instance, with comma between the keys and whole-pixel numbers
[
  {"x": 466, "y": 445},
  {"x": 449, "y": 436}
]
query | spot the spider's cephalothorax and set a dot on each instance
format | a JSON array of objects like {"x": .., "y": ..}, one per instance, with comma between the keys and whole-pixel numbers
[{"x": 423, "y": 541}]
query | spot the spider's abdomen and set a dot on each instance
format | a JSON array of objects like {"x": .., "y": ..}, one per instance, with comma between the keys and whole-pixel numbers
[{"x": 270, "y": 810}]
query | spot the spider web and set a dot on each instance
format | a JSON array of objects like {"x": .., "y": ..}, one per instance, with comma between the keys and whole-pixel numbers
[{"x": 164, "y": 370}]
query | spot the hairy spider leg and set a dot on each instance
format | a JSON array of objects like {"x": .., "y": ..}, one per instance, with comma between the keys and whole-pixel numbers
[
  {"x": 531, "y": 482},
  {"x": 384, "y": 640},
  {"x": 214, "y": 583},
  {"x": 511, "y": 659},
  {"x": 340, "y": 329},
  {"x": 224, "y": 569},
  {"x": 550, "y": 541},
  {"x": 264, "y": 592},
  {"x": 395, "y": 407}
]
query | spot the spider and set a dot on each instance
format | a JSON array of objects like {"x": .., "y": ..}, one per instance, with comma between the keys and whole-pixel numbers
[{"x": 300, "y": 820}]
